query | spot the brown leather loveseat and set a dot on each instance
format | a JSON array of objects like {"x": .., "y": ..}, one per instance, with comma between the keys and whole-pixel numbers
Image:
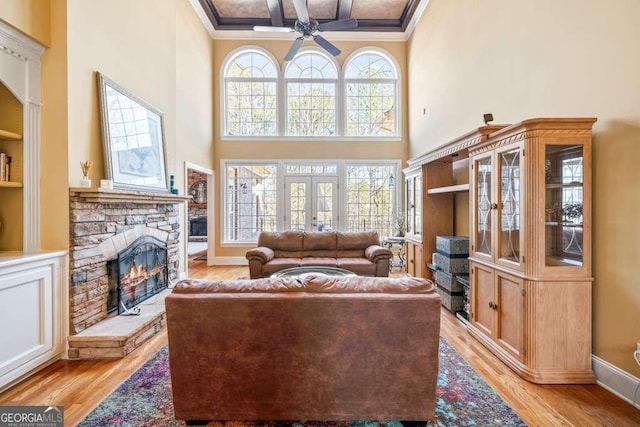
[
  {"x": 358, "y": 252},
  {"x": 311, "y": 347}
]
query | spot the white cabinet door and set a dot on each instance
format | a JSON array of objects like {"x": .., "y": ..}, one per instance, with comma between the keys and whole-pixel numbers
[{"x": 31, "y": 314}]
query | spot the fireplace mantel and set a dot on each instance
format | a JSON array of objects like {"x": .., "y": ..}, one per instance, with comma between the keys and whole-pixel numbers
[{"x": 103, "y": 195}]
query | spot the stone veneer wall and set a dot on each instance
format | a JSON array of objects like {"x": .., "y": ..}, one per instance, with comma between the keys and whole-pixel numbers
[{"x": 103, "y": 223}]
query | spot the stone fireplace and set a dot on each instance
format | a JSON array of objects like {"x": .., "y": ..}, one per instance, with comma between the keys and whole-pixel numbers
[{"x": 112, "y": 231}]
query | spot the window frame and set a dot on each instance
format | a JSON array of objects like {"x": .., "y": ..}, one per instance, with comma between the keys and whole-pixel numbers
[
  {"x": 340, "y": 102},
  {"x": 229, "y": 59},
  {"x": 281, "y": 166},
  {"x": 397, "y": 133},
  {"x": 285, "y": 91}
]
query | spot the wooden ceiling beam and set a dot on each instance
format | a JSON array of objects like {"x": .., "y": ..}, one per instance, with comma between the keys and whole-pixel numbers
[
  {"x": 344, "y": 9},
  {"x": 276, "y": 13}
]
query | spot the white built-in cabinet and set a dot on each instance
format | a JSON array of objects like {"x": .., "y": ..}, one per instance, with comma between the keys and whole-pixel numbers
[{"x": 33, "y": 284}]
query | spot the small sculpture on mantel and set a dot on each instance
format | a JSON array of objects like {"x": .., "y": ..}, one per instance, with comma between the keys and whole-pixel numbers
[{"x": 85, "y": 166}]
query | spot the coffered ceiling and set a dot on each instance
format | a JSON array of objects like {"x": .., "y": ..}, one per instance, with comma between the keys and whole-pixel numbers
[{"x": 378, "y": 16}]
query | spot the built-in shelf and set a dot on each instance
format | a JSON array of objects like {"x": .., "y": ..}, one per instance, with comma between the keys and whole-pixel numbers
[
  {"x": 9, "y": 136},
  {"x": 10, "y": 184},
  {"x": 448, "y": 189}
]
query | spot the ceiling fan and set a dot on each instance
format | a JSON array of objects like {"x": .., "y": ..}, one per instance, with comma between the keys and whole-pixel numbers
[{"x": 308, "y": 27}]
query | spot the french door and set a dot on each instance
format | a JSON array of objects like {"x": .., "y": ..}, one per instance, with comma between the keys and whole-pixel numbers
[{"x": 311, "y": 203}]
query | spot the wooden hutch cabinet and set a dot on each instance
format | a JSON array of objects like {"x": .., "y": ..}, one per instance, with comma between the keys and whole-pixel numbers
[
  {"x": 432, "y": 181},
  {"x": 530, "y": 257}
]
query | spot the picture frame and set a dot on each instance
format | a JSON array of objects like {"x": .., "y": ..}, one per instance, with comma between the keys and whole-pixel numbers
[{"x": 133, "y": 139}]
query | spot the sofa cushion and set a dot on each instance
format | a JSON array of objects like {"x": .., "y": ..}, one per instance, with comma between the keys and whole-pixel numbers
[
  {"x": 358, "y": 265},
  {"x": 318, "y": 261},
  {"x": 320, "y": 241},
  {"x": 359, "y": 240},
  {"x": 310, "y": 282},
  {"x": 282, "y": 241},
  {"x": 278, "y": 264}
]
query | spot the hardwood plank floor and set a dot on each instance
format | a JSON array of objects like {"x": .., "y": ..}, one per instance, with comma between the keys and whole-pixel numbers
[{"x": 81, "y": 385}]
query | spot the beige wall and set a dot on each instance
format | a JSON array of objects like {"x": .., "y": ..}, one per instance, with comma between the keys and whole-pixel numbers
[
  {"x": 546, "y": 58},
  {"x": 158, "y": 50},
  {"x": 54, "y": 154},
  {"x": 298, "y": 149},
  {"x": 29, "y": 16},
  {"x": 194, "y": 90}
]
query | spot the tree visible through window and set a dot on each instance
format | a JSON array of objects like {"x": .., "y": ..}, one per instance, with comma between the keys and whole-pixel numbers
[
  {"x": 364, "y": 197},
  {"x": 370, "y": 84},
  {"x": 251, "y": 201},
  {"x": 311, "y": 95},
  {"x": 370, "y": 198},
  {"x": 251, "y": 82}
]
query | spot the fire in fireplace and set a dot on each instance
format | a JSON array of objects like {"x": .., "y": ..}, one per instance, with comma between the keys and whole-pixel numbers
[{"x": 139, "y": 272}]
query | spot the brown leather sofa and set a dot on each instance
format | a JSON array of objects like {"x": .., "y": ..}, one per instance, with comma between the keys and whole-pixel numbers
[
  {"x": 358, "y": 252},
  {"x": 311, "y": 347}
]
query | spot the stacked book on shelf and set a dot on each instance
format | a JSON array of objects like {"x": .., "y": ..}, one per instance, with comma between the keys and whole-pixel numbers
[
  {"x": 451, "y": 265},
  {"x": 5, "y": 167}
]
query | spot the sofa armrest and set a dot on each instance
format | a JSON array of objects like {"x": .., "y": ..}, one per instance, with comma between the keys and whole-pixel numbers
[
  {"x": 261, "y": 253},
  {"x": 375, "y": 253}
]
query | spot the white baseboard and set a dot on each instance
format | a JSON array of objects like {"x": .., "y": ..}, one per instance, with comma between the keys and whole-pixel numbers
[
  {"x": 614, "y": 379},
  {"x": 229, "y": 260}
]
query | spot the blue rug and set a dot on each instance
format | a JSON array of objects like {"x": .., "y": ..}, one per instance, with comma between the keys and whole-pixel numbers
[{"x": 463, "y": 399}]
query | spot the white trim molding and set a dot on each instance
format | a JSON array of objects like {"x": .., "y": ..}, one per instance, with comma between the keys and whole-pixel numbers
[
  {"x": 230, "y": 260},
  {"x": 614, "y": 379}
]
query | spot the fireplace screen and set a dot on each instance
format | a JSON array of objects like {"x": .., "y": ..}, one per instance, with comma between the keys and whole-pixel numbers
[{"x": 140, "y": 271}]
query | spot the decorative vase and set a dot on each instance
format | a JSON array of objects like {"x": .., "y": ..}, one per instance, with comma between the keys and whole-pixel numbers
[{"x": 85, "y": 182}]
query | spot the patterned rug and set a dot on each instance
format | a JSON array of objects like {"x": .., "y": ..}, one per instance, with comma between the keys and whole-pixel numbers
[{"x": 463, "y": 399}]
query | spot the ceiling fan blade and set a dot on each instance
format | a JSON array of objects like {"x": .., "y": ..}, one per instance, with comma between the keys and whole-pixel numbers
[
  {"x": 343, "y": 24},
  {"x": 273, "y": 29},
  {"x": 301, "y": 10},
  {"x": 294, "y": 48},
  {"x": 327, "y": 45}
]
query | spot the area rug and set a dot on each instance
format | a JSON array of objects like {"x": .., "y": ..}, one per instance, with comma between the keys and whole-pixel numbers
[{"x": 463, "y": 399}]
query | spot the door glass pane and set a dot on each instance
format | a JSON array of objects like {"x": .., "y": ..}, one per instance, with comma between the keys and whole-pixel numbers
[
  {"x": 298, "y": 201},
  {"x": 483, "y": 213},
  {"x": 510, "y": 205},
  {"x": 563, "y": 205},
  {"x": 324, "y": 206},
  {"x": 411, "y": 208}
]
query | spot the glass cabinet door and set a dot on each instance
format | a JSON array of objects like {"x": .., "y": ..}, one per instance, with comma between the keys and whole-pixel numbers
[
  {"x": 484, "y": 205},
  {"x": 414, "y": 204},
  {"x": 418, "y": 205},
  {"x": 409, "y": 203},
  {"x": 564, "y": 178},
  {"x": 509, "y": 216}
]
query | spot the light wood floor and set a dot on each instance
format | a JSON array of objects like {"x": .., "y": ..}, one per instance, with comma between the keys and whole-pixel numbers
[{"x": 81, "y": 385}]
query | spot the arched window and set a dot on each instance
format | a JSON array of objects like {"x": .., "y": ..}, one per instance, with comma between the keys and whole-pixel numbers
[
  {"x": 311, "y": 79},
  {"x": 371, "y": 87},
  {"x": 251, "y": 88}
]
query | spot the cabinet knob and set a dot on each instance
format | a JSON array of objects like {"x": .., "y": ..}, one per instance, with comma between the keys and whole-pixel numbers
[
  {"x": 493, "y": 305},
  {"x": 494, "y": 206}
]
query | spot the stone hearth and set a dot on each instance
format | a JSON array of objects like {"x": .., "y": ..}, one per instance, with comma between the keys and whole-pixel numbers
[{"x": 103, "y": 223}]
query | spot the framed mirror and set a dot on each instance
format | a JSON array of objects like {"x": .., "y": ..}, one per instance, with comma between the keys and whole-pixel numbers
[{"x": 133, "y": 139}]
